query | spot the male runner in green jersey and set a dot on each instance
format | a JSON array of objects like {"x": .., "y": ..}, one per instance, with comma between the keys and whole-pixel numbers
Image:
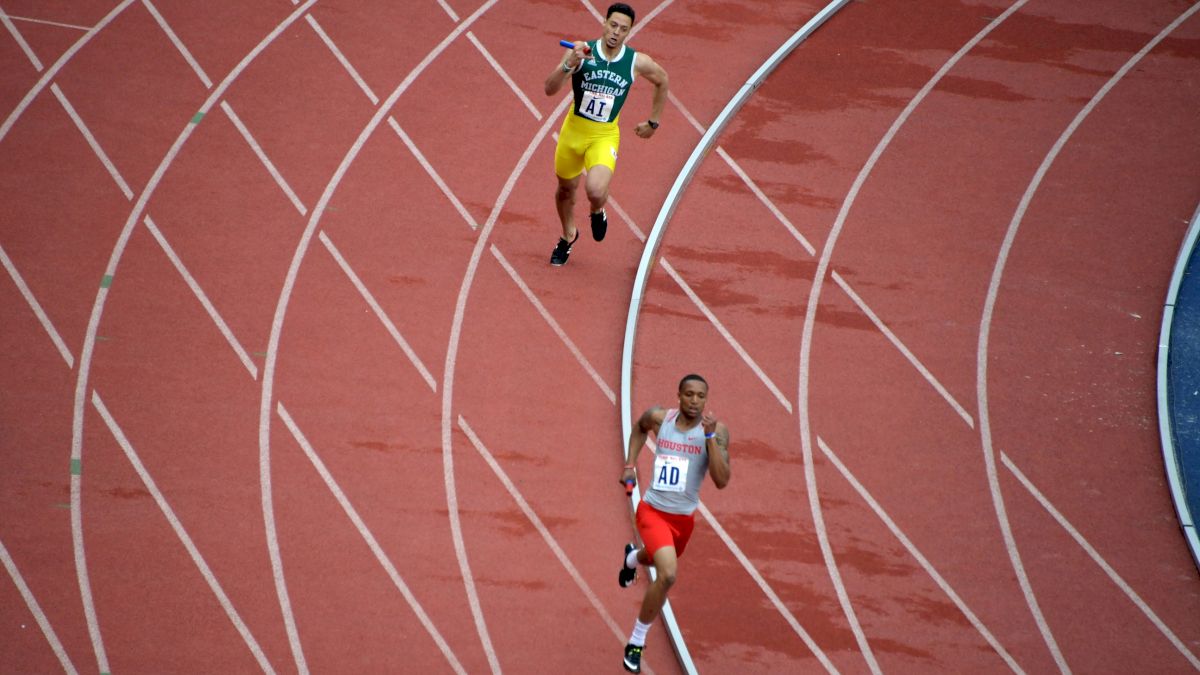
[{"x": 601, "y": 73}]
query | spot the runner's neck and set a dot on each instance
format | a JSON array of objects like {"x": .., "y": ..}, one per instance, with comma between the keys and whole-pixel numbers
[{"x": 602, "y": 50}]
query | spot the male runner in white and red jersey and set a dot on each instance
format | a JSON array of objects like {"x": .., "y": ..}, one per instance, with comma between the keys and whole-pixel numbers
[{"x": 690, "y": 443}]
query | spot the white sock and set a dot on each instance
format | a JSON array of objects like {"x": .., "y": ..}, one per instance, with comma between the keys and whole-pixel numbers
[
  {"x": 638, "y": 639},
  {"x": 631, "y": 560}
]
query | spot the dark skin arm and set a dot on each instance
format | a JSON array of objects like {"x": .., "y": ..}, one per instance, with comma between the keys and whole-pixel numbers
[
  {"x": 651, "y": 420},
  {"x": 718, "y": 451}
]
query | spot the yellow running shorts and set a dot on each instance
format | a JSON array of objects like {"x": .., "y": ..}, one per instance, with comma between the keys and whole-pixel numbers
[{"x": 583, "y": 143}]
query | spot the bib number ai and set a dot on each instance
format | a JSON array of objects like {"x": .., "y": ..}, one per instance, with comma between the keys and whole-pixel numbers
[
  {"x": 670, "y": 473},
  {"x": 597, "y": 107}
]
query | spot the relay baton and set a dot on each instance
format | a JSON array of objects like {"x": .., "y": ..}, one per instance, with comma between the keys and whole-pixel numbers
[
  {"x": 571, "y": 45},
  {"x": 628, "y": 487}
]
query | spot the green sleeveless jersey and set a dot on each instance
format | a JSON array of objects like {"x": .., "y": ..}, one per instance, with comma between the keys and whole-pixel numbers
[{"x": 601, "y": 86}]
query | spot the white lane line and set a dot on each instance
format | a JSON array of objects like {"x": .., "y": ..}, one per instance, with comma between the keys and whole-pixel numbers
[
  {"x": 369, "y": 538},
  {"x": 708, "y": 313},
  {"x": 91, "y": 141},
  {"x": 1101, "y": 562},
  {"x": 891, "y": 336},
  {"x": 202, "y": 297},
  {"x": 541, "y": 528},
  {"x": 941, "y": 582},
  {"x": 762, "y": 197},
  {"x": 180, "y": 532},
  {"x": 89, "y": 344},
  {"x": 29, "y": 53},
  {"x": 741, "y": 351},
  {"x": 737, "y": 169},
  {"x": 362, "y": 84},
  {"x": 449, "y": 10},
  {"x": 337, "y": 256},
  {"x": 554, "y": 325},
  {"x": 823, "y": 265},
  {"x": 46, "y": 22},
  {"x": 504, "y": 75},
  {"x": 36, "y": 610},
  {"x": 268, "y": 380},
  {"x": 460, "y": 308},
  {"x": 985, "y": 323},
  {"x": 437, "y": 179},
  {"x": 765, "y": 587},
  {"x": 50, "y": 73},
  {"x": 37, "y": 308},
  {"x": 262, "y": 157},
  {"x": 895, "y": 340},
  {"x": 383, "y": 317},
  {"x": 187, "y": 55},
  {"x": 81, "y": 573},
  {"x": 900, "y": 346}
]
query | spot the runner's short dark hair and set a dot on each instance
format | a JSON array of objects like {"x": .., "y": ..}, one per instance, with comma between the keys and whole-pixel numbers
[
  {"x": 692, "y": 376},
  {"x": 623, "y": 9}
]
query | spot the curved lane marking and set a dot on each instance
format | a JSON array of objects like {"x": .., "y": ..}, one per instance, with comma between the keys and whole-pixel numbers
[
  {"x": 85, "y": 357},
  {"x": 268, "y": 381},
  {"x": 814, "y": 297},
  {"x": 481, "y": 243},
  {"x": 1101, "y": 562},
  {"x": 53, "y": 71},
  {"x": 654, "y": 240},
  {"x": 372, "y": 543},
  {"x": 985, "y": 323},
  {"x": 912, "y": 549},
  {"x": 452, "y": 353}
]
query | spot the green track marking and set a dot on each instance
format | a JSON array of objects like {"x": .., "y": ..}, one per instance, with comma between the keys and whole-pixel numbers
[
  {"x": 262, "y": 354},
  {"x": 76, "y": 467},
  {"x": 106, "y": 281},
  {"x": 102, "y": 338},
  {"x": 62, "y": 506},
  {"x": 197, "y": 117}
]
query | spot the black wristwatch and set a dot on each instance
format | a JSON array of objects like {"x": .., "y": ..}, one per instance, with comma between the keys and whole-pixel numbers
[{"x": 652, "y": 123}]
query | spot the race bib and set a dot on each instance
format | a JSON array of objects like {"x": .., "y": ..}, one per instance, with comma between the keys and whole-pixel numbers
[
  {"x": 597, "y": 107},
  {"x": 670, "y": 473}
]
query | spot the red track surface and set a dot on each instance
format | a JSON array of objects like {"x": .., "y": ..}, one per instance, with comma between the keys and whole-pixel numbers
[{"x": 470, "y": 516}]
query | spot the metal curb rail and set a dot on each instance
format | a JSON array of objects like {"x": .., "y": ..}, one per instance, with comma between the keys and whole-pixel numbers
[
  {"x": 650, "y": 253},
  {"x": 1171, "y": 460}
]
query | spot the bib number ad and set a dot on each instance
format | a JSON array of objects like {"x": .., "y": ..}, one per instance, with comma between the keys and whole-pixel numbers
[{"x": 670, "y": 473}]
